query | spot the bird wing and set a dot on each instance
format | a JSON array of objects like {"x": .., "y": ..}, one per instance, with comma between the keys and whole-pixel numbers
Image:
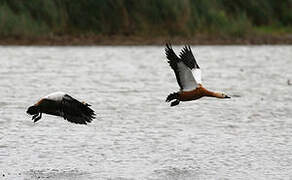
[
  {"x": 189, "y": 60},
  {"x": 173, "y": 60},
  {"x": 183, "y": 73},
  {"x": 75, "y": 111}
]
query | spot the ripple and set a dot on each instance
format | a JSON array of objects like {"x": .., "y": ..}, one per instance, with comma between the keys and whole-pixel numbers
[
  {"x": 136, "y": 135},
  {"x": 55, "y": 174}
]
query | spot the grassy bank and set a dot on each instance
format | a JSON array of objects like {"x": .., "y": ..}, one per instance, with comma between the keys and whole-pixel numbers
[{"x": 97, "y": 21}]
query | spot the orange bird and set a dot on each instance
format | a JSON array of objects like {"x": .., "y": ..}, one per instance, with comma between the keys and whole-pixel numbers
[{"x": 188, "y": 76}]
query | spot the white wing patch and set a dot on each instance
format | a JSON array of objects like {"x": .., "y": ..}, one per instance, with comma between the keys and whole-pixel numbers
[
  {"x": 197, "y": 75},
  {"x": 187, "y": 79},
  {"x": 56, "y": 96}
]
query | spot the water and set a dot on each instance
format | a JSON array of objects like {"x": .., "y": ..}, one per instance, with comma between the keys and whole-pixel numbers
[{"x": 136, "y": 134}]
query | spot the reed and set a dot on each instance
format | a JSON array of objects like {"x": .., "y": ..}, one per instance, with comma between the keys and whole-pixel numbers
[{"x": 224, "y": 18}]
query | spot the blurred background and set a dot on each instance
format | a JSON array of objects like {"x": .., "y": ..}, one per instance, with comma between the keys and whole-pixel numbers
[{"x": 126, "y": 22}]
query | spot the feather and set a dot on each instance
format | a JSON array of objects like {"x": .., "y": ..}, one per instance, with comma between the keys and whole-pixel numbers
[{"x": 186, "y": 69}]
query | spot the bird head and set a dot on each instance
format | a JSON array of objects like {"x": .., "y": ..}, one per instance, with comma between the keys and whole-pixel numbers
[
  {"x": 32, "y": 110},
  {"x": 221, "y": 95},
  {"x": 225, "y": 96}
]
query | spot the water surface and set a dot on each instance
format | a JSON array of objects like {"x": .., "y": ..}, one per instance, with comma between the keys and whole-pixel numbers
[{"x": 136, "y": 134}]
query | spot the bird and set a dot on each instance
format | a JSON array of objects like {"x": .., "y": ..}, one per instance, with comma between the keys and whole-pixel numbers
[
  {"x": 188, "y": 76},
  {"x": 63, "y": 105}
]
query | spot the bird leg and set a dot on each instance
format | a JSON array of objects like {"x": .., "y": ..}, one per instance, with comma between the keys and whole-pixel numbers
[
  {"x": 34, "y": 116},
  {"x": 174, "y": 103},
  {"x": 37, "y": 117},
  {"x": 172, "y": 96}
]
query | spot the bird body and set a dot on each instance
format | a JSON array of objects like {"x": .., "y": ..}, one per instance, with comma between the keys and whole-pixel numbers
[
  {"x": 63, "y": 105},
  {"x": 192, "y": 95},
  {"x": 197, "y": 94},
  {"x": 56, "y": 96},
  {"x": 188, "y": 76}
]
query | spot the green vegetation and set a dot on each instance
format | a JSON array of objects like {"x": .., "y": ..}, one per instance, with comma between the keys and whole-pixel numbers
[{"x": 145, "y": 18}]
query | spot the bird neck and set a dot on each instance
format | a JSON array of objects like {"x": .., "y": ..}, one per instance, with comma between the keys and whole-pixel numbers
[{"x": 212, "y": 94}]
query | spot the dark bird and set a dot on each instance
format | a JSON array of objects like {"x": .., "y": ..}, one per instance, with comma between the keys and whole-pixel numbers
[
  {"x": 63, "y": 105},
  {"x": 188, "y": 76}
]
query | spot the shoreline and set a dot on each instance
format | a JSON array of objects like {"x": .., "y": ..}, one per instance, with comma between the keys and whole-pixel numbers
[{"x": 118, "y": 40}]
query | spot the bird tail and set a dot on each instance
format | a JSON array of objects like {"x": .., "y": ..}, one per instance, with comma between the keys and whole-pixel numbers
[{"x": 88, "y": 112}]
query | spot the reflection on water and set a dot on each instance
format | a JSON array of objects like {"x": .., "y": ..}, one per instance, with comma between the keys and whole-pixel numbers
[{"x": 136, "y": 134}]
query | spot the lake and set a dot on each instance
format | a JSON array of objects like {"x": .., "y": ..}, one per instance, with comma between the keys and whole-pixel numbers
[{"x": 136, "y": 135}]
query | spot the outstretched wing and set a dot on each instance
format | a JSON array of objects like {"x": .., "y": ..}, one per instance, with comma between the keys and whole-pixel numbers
[
  {"x": 75, "y": 111},
  {"x": 183, "y": 73},
  {"x": 173, "y": 60},
  {"x": 189, "y": 60}
]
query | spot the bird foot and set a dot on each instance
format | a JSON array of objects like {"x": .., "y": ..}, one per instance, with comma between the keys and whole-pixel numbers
[
  {"x": 174, "y": 103},
  {"x": 37, "y": 117}
]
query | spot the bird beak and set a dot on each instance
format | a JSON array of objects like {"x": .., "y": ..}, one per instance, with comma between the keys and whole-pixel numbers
[{"x": 227, "y": 96}]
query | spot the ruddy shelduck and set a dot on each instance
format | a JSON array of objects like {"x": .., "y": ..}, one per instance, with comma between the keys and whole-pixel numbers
[
  {"x": 63, "y": 105},
  {"x": 188, "y": 76}
]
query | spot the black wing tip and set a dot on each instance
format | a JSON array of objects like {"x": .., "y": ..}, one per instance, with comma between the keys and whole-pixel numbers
[
  {"x": 188, "y": 58},
  {"x": 80, "y": 120},
  {"x": 84, "y": 116},
  {"x": 189, "y": 47},
  {"x": 89, "y": 113},
  {"x": 186, "y": 49},
  {"x": 168, "y": 48},
  {"x": 170, "y": 54},
  {"x": 168, "y": 45}
]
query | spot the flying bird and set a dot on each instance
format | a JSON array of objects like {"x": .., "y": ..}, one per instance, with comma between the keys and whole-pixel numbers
[
  {"x": 63, "y": 105},
  {"x": 188, "y": 76}
]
